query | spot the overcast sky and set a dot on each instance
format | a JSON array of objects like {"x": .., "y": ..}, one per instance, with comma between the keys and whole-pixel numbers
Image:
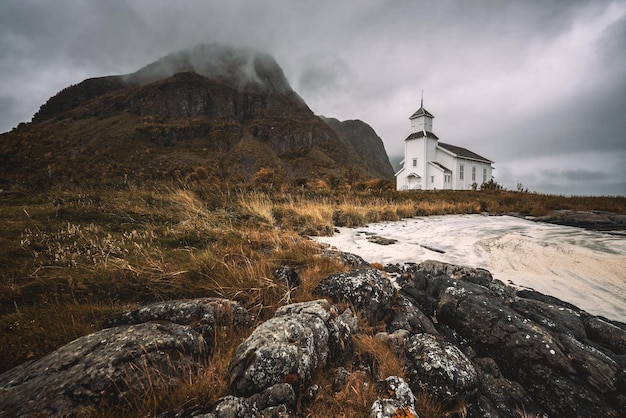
[{"x": 539, "y": 87}]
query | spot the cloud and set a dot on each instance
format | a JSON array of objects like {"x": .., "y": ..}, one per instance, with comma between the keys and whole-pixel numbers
[{"x": 509, "y": 80}]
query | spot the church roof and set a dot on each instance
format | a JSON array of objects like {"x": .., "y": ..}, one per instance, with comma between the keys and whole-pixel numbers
[
  {"x": 463, "y": 152},
  {"x": 439, "y": 165},
  {"x": 420, "y": 134},
  {"x": 421, "y": 112}
]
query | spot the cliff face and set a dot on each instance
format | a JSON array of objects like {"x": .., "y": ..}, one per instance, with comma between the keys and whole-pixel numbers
[
  {"x": 211, "y": 111},
  {"x": 366, "y": 142}
]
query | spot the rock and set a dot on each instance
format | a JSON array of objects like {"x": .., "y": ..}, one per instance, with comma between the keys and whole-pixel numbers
[
  {"x": 375, "y": 239},
  {"x": 556, "y": 318},
  {"x": 406, "y": 316},
  {"x": 396, "y": 340},
  {"x": 396, "y": 400},
  {"x": 498, "y": 396},
  {"x": 233, "y": 407},
  {"x": 594, "y": 219},
  {"x": 367, "y": 289},
  {"x": 101, "y": 368},
  {"x": 286, "y": 348},
  {"x": 544, "y": 360},
  {"x": 278, "y": 394},
  {"x": 609, "y": 335},
  {"x": 341, "y": 378},
  {"x": 347, "y": 259},
  {"x": 441, "y": 369},
  {"x": 287, "y": 276},
  {"x": 203, "y": 315},
  {"x": 437, "y": 268}
]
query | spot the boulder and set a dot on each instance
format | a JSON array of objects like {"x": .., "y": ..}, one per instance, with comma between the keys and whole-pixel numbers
[
  {"x": 350, "y": 260},
  {"x": 287, "y": 348},
  {"x": 101, "y": 368},
  {"x": 287, "y": 276},
  {"x": 440, "y": 369},
  {"x": 367, "y": 289},
  {"x": 202, "y": 314},
  {"x": 396, "y": 399}
]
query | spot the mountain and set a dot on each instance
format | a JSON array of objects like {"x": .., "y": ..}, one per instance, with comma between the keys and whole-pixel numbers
[
  {"x": 210, "y": 112},
  {"x": 366, "y": 142}
]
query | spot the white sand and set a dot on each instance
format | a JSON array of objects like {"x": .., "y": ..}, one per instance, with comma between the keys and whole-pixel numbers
[{"x": 587, "y": 269}]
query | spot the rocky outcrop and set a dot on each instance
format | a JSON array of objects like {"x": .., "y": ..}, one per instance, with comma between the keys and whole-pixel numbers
[
  {"x": 468, "y": 342},
  {"x": 593, "y": 219},
  {"x": 563, "y": 370}
]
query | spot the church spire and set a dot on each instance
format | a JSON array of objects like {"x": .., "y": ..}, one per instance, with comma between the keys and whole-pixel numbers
[{"x": 422, "y": 120}]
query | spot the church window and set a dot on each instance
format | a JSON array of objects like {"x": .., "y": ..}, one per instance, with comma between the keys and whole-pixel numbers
[
  {"x": 461, "y": 174},
  {"x": 432, "y": 179},
  {"x": 473, "y": 173},
  {"x": 484, "y": 175},
  {"x": 414, "y": 162}
]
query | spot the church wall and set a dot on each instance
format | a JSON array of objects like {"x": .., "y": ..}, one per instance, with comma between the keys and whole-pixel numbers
[
  {"x": 468, "y": 177},
  {"x": 421, "y": 123}
]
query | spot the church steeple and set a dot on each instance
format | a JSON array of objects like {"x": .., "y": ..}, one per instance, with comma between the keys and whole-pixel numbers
[{"x": 422, "y": 120}]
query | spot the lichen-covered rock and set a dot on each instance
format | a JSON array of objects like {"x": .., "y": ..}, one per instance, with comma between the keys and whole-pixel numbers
[
  {"x": 347, "y": 259},
  {"x": 607, "y": 334},
  {"x": 407, "y": 316},
  {"x": 556, "y": 318},
  {"x": 100, "y": 368},
  {"x": 440, "y": 368},
  {"x": 367, "y": 289},
  {"x": 437, "y": 268},
  {"x": 288, "y": 347},
  {"x": 287, "y": 276},
  {"x": 278, "y": 394},
  {"x": 545, "y": 358},
  {"x": 234, "y": 407},
  {"x": 202, "y": 314},
  {"x": 498, "y": 396},
  {"x": 341, "y": 379},
  {"x": 396, "y": 399}
]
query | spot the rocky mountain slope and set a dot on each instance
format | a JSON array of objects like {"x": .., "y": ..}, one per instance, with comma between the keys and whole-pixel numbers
[
  {"x": 366, "y": 142},
  {"x": 211, "y": 112}
]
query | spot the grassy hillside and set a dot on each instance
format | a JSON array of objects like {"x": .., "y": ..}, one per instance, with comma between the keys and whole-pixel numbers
[{"x": 69, "y": 258}]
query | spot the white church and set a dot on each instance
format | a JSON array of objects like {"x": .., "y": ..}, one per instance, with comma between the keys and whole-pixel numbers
[{"x": 429, "y": 164}]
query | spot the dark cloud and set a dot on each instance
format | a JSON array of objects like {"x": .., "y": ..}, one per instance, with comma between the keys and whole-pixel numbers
[
  {"x": 579, "y": 174},
  {"x": 538, "y": 87}
]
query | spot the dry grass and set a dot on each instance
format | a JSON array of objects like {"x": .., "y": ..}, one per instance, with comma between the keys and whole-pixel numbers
[{"x": 70, "y": 258}]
